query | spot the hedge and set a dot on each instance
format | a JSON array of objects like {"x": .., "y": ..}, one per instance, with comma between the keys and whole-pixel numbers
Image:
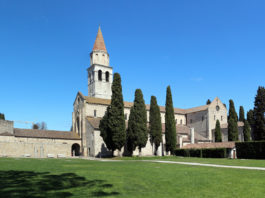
[
  {"x": 250, "y": 150},
  {"x": 205, "y": 153}
]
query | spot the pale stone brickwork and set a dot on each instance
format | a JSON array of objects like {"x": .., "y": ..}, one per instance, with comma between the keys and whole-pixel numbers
[
  {"x": 6, "y": 126},
  {"x": 202, "y": 119},
  {"x": 12, "y": 146}
]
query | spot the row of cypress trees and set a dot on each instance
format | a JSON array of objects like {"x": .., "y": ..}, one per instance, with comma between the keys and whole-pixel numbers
[
  {"x": 232, "y": 124},
  {"x": 113, "y": 129}
]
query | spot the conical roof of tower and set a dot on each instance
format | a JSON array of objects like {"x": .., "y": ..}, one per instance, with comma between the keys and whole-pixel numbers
[{"x": 99, "y": 43}]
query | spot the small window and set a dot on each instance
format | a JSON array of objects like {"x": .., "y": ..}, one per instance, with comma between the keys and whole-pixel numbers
[
  {"x": 96, "y": 54},
  {"x": 103, "y": 54},
  {"x": 95, "y": 113},
  {"x": 107, "y": 76},
  {"x": 214, "y": 117},
  {"x": 202, "y": 118},
  {"x": 221, "y": 118},
  {"x": 176, "y": 121},
  {"x": 99, "y": 75},
  {"x": 180, "y": 121},
  {"x": 191, "y": 121},
  {"x": 125, "y": 116}
]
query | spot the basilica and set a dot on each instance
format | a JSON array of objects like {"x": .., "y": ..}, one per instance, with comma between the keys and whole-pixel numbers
[{"x": 194, "y": 125}]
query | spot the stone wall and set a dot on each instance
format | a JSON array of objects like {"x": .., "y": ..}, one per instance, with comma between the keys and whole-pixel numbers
[
  {"x": 12, "y": 146},
  {"x": 198, "y": 121},
  {"x": 6, "y": 126},
  {"x": 224, "y": 132}
]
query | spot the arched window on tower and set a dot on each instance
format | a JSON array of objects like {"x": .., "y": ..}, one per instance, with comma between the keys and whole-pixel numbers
[
  {"x": 99, "y": 75},
  {"x": 107, "y": 76}
]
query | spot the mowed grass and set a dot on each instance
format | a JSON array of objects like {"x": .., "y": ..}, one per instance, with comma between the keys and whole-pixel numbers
[
  {"x": 84, "y": 178},
  {"x": 221, "y": 161}
]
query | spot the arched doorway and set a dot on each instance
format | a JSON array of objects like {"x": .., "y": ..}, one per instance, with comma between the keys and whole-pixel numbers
[{"x": 75, "y": 150}]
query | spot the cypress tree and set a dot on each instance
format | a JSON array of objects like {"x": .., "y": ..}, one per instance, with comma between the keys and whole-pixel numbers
[
  {"x": 217, "y": 132},
  {"x": 232, "y": 122},
  {"x": 113, "y": 122},
  {"x": 137, "y": 127},
  {"x": 259, "y": 110},
  {"x": 246, "y": 131},
  {"x": 105, "y": 131},
  {"x": 241, "y": 114},
  {"x": 232, "y": 111},
  {"x": 208, "y": 102},
  {"x": 131, "y": 136},
  {"x": 170, "y": 123},
  {"x": 232, "y": 130},
  {"x": 155, "y": 125},
  {"x": 250, "y": 118}
]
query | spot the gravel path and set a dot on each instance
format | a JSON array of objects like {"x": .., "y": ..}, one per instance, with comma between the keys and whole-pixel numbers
[{"x": 183, "y": 163}]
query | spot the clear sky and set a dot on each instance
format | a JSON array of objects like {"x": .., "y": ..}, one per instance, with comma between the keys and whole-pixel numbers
[{"x": 202, "y": 49}]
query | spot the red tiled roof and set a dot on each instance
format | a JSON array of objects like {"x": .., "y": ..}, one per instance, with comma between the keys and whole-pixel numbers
[
  {"x": 49, "y": 134},
  {"x": 99, "y": 43},
  {"x": 180, "y": 128}
]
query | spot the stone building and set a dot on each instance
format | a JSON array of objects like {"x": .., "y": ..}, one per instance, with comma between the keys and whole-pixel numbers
[
  {"x": 37, "y": 143},
  {"x": 193, "y": 125}
]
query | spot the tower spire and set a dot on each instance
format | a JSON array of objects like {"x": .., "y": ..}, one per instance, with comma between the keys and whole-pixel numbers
[{"x": 99, "y": 43}]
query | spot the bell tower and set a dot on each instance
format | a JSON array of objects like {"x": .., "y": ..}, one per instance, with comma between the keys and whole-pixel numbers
[{"x": 99, "y": 72}]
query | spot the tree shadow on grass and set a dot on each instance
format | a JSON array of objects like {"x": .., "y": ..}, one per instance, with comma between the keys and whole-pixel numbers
[{"x": 42, "y": 184}]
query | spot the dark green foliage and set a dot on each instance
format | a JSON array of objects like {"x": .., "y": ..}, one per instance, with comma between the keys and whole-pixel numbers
[
  {"x": 105, "y": 131},
  {"x": 112, "y": 126},
  {"x": 232, "y": 111},
  {"x": 259, "y": 110},
  {"x": 131, "y": 136},
  {"x": 170, "y": 123},
  {"x": 204, "y": 153},
  {"x": 182, "y": 152},
  {"x": 214, "y": 153},
  {"x": 2, "y": 116},
  {"x": 241, "y": 114},
  {"x": 217, "y": 132},
  {"x": 208, "y": 102},
  {"x": 137, "y": 127},
  {"x": 155, "y": 126},
  {"x": 232, "y": 130},
  {"x": 250, "y": 118},
  {"x": 246, "y": 131},
  {"x": 250, "y": 150},
  {"x": 195, "y": 152},
  {"x": 232, "y": 122}
]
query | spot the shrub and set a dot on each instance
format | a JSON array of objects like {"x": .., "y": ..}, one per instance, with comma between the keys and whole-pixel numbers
[
  {"x": 205, "y": 153},
  {"x": 250, "y": 150},
  {"x": 195, "y": 152},
  {"x": 182, "y": 152},
  {"x": 214, "y": 153}
]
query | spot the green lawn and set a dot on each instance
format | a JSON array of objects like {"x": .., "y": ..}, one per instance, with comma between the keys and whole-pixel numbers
[
  {"x": 84, "y": 178},
  {"x": 221, "y": 161}
]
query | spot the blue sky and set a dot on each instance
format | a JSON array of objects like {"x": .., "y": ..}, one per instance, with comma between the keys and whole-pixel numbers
[{"x": 202, "y": 49}]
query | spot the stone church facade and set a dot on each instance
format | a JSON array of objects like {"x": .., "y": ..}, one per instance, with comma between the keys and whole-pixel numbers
[{"x": 193, "y": 125}]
